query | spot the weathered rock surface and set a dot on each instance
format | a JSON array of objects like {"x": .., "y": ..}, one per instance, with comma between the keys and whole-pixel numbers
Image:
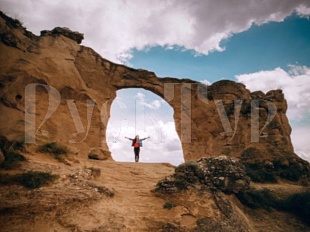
[
  {"x": 75, "y": 88},
  {"x": 99, "y": 154},
  {"x": 204, "y": 212},
  {"x": 219, "y": 173},
  {"x": 206, "y": 179}
]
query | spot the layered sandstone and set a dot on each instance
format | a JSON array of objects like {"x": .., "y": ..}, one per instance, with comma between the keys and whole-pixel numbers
[{"x": 76, "y": 87}]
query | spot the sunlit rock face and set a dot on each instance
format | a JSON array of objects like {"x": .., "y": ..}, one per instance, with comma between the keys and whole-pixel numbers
[{"x": 54, "y": 89}]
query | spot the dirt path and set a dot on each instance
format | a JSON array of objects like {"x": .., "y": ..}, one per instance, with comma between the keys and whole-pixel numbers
[
  {"x": 133, "y": 204},
  {"x": 132, "y": 207}
]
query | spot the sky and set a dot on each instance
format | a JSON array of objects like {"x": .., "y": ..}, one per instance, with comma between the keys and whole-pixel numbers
[{"x": 262, "y": 43}]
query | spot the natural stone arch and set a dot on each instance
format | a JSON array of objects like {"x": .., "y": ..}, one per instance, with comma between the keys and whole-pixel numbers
[
  {"x": 80, "y": 74},
  {"x": 204, "y": 125},
  {"x": 202, "y": 120}
]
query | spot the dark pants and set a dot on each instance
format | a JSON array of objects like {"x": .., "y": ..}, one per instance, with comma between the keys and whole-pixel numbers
[{"x": 137, "y": 151}]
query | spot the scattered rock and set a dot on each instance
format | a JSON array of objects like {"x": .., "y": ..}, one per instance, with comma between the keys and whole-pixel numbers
[
  {"x": 99, "y": 154},
  {"x": 101, "y": 189},
  {"x": 95, "y": 172}
]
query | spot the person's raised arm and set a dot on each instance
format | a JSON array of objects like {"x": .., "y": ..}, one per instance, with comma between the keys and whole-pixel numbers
[
  {"x": 146, "y": 138},
  {"x": 128, "y": 138}
]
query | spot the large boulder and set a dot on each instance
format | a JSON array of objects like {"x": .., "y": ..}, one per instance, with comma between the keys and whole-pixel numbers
[
  {"x": 221, "y": 173},
  {"x": 99, "y": 154}
]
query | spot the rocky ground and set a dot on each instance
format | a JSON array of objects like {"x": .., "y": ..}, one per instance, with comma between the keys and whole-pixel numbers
[{"x": 91, "y": 195}]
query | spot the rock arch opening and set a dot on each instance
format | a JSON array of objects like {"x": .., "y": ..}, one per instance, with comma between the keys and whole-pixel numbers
[{"x": 136, "y": 111}]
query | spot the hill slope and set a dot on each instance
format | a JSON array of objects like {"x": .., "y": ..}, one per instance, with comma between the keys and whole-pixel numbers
[{"x": 113, "y": 196}]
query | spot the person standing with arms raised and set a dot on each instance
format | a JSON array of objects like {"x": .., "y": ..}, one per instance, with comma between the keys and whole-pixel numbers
[{"x": 137, "y": 143}]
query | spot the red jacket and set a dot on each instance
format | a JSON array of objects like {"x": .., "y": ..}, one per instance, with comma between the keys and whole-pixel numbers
[{"x": 139, "y": 141}]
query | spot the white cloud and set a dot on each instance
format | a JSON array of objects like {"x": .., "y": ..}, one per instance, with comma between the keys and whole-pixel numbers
[
  {"x": 303, "y": 10},
  {"x": 296, "y": 87},
  {"x": 206, "y": 82},
  {"x": 114, "y": 28},
  {"x": 154, "y": 105},
  {"x": 163, "y": 138},
  {"x": 300, "y": 139}
]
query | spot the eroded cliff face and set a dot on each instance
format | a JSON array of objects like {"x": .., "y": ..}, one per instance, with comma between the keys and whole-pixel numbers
[{"x": 75, "y": 88}]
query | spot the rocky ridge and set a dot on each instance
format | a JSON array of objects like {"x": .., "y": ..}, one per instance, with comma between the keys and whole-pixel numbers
[{"x": 210, "y": 120}]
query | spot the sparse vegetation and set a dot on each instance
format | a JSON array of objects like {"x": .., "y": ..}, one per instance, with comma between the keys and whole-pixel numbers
[
  {"x": 264, "y": 171},
  {"x": 250, "y": 153},
  {"x": 289, "y": 171},
  {"x": 256, "y": 170},
  {"x": 269, "y": 173},
  {"x": 55, "y": 149},
  {"x": 189, "y": 172},
  {"x": 30, "y": 179},
  {"x": 35, "y": 179},
  {"x": 297, "y": 204},
  {"x": 12, "y": 159},
  {"x": 255, "y": 198},
  {"x": 260, "y": 174},
  {"x": 189, "y": 166},
  {"x": 6, "y": 179},
  {"x": 185, "y": 175},
  {"x": 169, "y": 205},
  {"x": 16, "y": 21},
  {"x": 18, "y": 145},
  {"x": 181, "y": 184},
  {"x": 170, "y": 186}
]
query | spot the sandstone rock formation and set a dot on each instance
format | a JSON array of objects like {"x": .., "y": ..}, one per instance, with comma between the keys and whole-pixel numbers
[
  {"x": 53, "y": 89},
  {"x": 219, "y": 173}
]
